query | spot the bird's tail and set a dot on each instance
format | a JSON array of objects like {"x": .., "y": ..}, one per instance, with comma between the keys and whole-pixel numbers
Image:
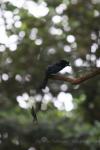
[
  {"x": 44, "y": 83},
  {"x": 34, "y": 115}
]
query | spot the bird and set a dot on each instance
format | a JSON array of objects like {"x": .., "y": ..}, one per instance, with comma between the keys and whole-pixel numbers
[{"x": 53, "y": 69}]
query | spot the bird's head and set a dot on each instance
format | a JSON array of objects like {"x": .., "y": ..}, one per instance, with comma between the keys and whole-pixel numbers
[{"x": 64, "y": 62}]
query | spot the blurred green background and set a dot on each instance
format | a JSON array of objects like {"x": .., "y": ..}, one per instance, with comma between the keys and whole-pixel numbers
[{"x": 34, "y": 34}]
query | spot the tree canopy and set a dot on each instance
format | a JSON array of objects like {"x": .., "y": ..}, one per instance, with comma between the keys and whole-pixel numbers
[{"x": 35, "y": 34}]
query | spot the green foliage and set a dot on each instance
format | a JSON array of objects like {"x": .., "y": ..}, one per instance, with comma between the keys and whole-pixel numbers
[{"x": 71, "y": 31}]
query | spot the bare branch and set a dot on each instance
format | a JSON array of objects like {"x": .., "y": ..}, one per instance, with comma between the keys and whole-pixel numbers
[{"x": 78, "y": 80}]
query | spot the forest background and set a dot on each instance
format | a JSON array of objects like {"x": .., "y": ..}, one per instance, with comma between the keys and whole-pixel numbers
[{"x": 34, "y": 34}]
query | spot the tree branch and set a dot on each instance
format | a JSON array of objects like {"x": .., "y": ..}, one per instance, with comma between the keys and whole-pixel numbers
[{"x": 78, "y": 80}]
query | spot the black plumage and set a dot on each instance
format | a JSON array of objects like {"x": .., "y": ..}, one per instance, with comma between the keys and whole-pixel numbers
[
  {"x": 34, "y": 114},
  {"x": 53, "y": 69}
]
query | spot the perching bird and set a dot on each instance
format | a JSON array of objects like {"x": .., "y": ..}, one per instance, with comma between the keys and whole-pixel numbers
[{"x": 53, "y": 69}]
